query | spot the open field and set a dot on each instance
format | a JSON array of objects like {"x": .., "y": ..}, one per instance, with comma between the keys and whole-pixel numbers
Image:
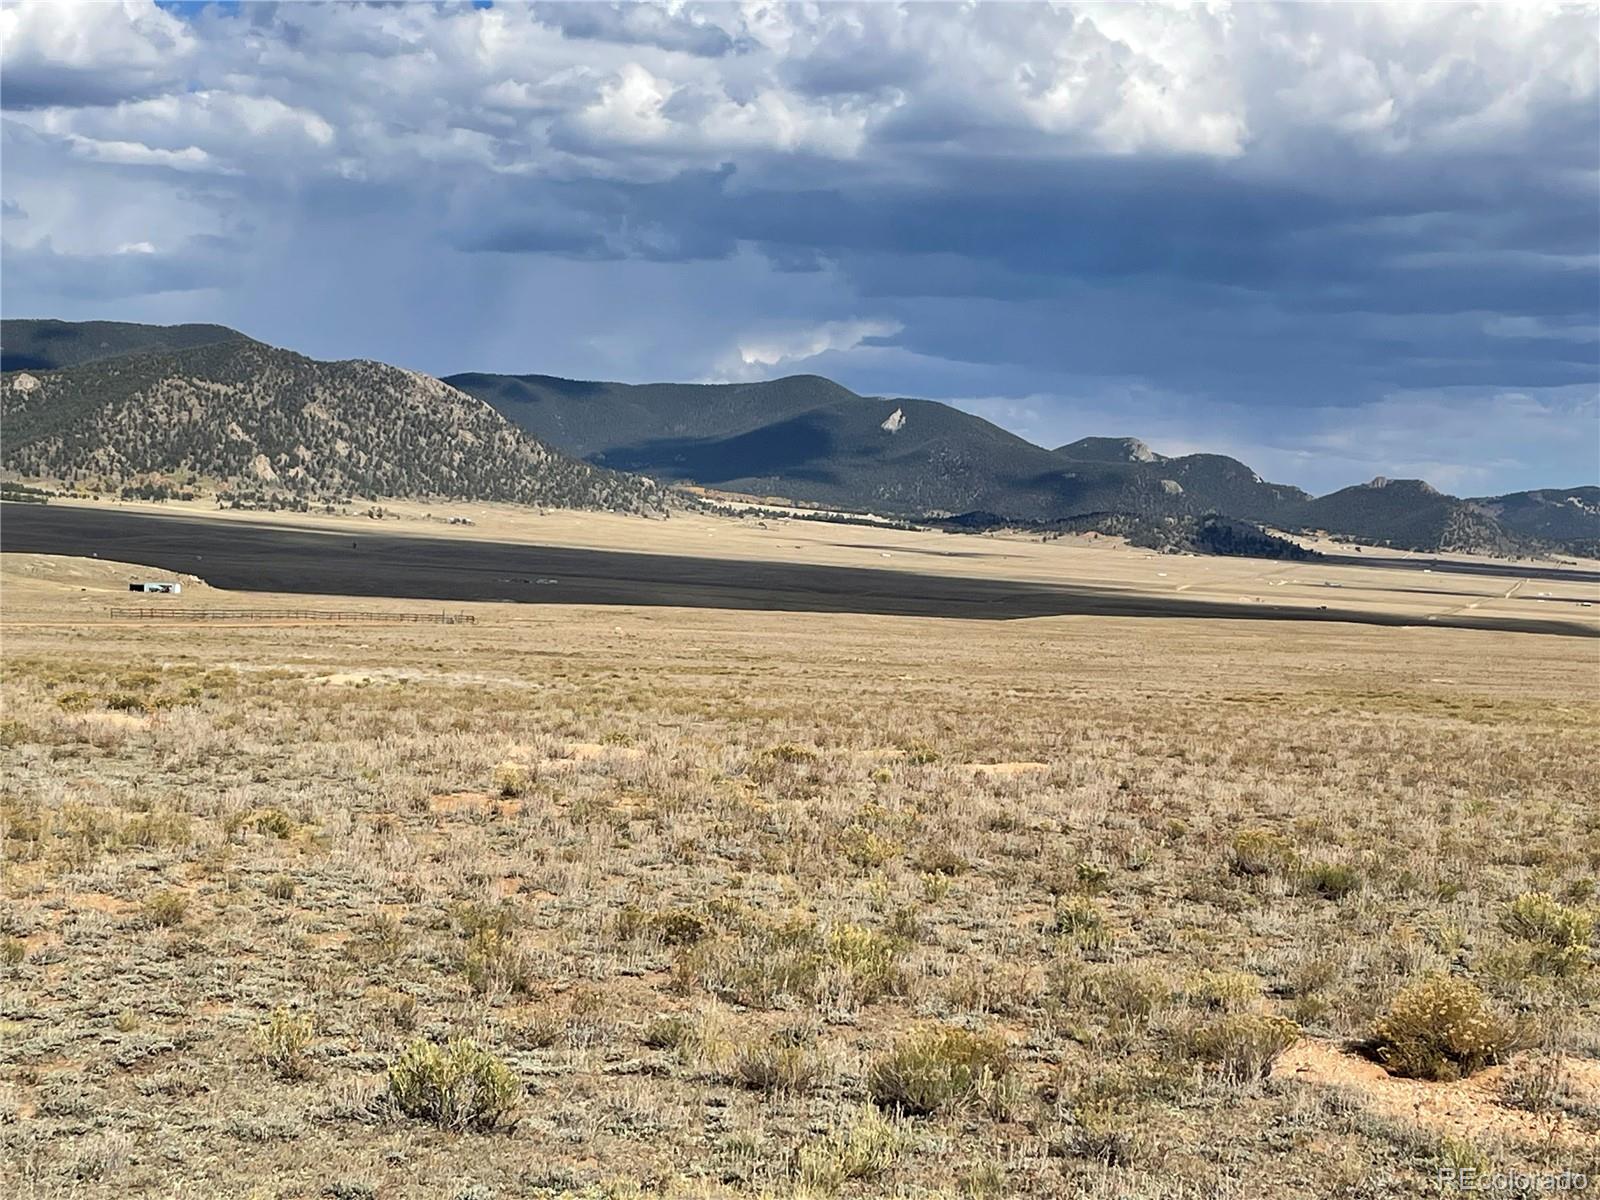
[
  {"x": 801, "y": 566},
  {"x": 737, "y": 898}
]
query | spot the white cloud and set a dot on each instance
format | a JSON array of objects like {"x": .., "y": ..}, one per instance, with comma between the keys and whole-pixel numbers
[
  {"x": 137, "y": 154},
  {"x": 1460, "y": 440},
  {"x": 316, "y": 87},
  {"x": 1502, "y": 326},
  {"x": 629, "y": 108},
  {"x": 77, "y": 53},
  {"x": 781, "y": 351}
]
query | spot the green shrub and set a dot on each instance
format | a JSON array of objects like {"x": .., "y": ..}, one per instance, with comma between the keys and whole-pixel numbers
[
  {"x": 12, "y": 951},
  {"x": 282, "y": 1042},
  {"x": 866, "y": 848},
  {"x": 1241, "y": 1045},
  {"x": 673, "y": 926},
  {"x": 155, "y": 829},
  {"x": 766, "y": 962},
  {"x": 941, "y": 860},
  {"x": 669, "y": 1033},
  {"x": 864, "y": 1148},
  {"x": 1259, "y": 852},
  {"x": 281, "y": 887},
  {"x": 1090, "y": 878},
  {"x": 937, "y": 1068},
  {"x": 1079, "y": 920},
  {"x": 273, "y": 822},
  {"x": 494, "y": 963},
  {"x": 1558, "y": 936},
  {"x": 510, "y": 779},
  {"x": 1333, "y": 881},
  {"x": 472, "y": 918},
  {"x": 1227, "y": 991},
  {"x": 775, "y": 1067},
  {"x": 166, "y": 908},
  {"x": 459, "y": 1086},
  {"x": 863, "y": 962},
  {"x": 1440, "y": 1028}
]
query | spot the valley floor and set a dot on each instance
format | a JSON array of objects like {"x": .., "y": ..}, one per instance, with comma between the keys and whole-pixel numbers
[
  {"x": 1365, "y": 583},
  {"x": 728, "y": 893}
]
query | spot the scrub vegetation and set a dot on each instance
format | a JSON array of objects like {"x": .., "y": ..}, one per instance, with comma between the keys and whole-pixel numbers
[{"x": 626, "y": 903}]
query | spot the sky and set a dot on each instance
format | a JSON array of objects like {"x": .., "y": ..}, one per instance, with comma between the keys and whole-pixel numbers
[{"x": 1334, "y": 241}]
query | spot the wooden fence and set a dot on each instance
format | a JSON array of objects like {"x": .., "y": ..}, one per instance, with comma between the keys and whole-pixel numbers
[{"x": 288, "y": 614}]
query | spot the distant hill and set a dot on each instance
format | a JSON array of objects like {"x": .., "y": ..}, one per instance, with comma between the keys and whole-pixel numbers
[
  {"x": 805, "y": 438},
  {"x": 1551, "y": 514},
  {"x": 1106, "y": 449},
  {"x": 808, "y": 439},
  {"x": 268, "y": 423},
  {"x": 1409, "y": 514},
  {"x": 29, "y": 345},
  {"x": 1211, "y": 534},
  {"x": 588, "y": 419}
]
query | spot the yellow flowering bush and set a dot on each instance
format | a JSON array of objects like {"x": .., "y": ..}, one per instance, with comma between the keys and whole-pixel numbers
[{"x": 1440, "y": 1028}]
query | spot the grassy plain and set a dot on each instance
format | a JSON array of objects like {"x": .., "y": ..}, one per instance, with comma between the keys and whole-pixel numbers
[
  {"x": 771, "y": 905},
  {"x": 1406, "y": 583}
]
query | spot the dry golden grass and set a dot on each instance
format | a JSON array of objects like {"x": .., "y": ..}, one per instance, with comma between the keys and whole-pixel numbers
[
  {"x": 729, "y": 900},
  {"x": 1412, "y": 588}
]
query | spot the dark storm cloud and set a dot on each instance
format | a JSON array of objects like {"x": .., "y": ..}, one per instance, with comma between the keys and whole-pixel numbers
[{"x": 1171, "y": 247}]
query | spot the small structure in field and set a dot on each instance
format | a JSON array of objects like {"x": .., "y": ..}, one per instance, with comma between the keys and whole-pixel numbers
[{"x": 167, "y": 588}]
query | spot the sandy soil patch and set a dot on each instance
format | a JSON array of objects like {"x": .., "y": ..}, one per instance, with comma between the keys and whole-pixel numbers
[
  {"x": 579, "y": 753},
  {"x": 1468, "y": 1108},
  {"x": 452, "y": 803},
  {"x": 367, "y": 678},
  {"x": 1004, "y": 768}
]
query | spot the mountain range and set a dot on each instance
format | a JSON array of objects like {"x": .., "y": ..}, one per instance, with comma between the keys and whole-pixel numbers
[
  {"x": 120, "y": 403},
  {"x": 160, "y": 413},
  {"x": 807, "y": 439}
]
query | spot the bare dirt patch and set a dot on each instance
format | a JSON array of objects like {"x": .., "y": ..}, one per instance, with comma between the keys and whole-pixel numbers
[{"x": 1468, "y": 1110}]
